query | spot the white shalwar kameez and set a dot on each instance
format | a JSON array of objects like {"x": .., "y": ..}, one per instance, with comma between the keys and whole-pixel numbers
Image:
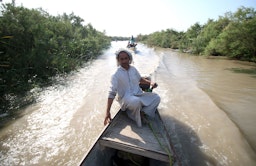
[{"x": 125, "y": 83}]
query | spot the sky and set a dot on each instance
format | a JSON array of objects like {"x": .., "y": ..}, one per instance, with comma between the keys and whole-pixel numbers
[{"x": 134, "y": 17}]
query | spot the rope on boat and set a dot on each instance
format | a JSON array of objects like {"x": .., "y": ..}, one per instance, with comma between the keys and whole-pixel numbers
[{"x": 159, "y": 142}]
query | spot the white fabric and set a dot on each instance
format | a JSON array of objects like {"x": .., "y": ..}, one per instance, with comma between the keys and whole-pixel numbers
[{"x": 125, "y": 84}]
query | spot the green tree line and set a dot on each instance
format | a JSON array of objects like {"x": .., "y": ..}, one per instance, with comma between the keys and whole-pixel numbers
[
  {"x": 232, "y": 35},
  {"x": 119, "y": 38},
  {"x": 35, "y": 46}
]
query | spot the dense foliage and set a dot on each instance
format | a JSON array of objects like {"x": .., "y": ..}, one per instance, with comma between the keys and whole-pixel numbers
[
  {"x": 232, "y": 35},
  {"x": 35, "y": 46}
]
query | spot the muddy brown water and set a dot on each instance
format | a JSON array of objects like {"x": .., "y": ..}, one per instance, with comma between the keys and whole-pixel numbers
[{"x": 208, "y": 106}]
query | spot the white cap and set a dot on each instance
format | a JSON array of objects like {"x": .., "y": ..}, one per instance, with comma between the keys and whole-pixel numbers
[{"x": 124, "y": 50}]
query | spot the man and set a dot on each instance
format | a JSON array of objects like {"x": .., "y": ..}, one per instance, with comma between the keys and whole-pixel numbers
[
  {"x": 125, "y": 83},
  {"x": 132, "y": 42}
]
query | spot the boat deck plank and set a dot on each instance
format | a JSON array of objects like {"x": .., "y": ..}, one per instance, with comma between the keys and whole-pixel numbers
[{"x": 123, "y": 134}]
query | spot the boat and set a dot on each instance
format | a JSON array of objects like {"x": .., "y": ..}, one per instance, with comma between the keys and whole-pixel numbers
[
  {"x": 132, "y": 47},
  {"x": 132, "y": 44},
  {"x": 123, "y": 143}
]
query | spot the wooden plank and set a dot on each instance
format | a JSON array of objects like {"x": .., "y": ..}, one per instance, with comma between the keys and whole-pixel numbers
[
  {"x": 135, "y": 150},
  {"x": 123, "y": 134}
]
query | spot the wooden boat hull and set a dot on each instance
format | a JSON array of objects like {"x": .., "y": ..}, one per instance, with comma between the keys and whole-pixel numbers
[
  {"x": 132, "y": 48},
  {"x": 122, "y": 136}
]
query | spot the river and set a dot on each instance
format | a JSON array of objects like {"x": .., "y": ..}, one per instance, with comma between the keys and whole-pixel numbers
[{"x": 208, "y": 106}]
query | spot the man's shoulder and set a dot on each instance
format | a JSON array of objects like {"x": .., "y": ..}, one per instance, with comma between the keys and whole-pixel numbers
[
  {"x": 118, "y": 70},
  {"x": 133, "y": 68},
  {"x": 121, "y": 70}
]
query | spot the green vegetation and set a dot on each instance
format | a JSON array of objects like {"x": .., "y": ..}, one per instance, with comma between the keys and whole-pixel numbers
[
  {"x": 35, "y": 47},
  {"x": 119, "y": 38},
  {"x": 232, "y": 35}
]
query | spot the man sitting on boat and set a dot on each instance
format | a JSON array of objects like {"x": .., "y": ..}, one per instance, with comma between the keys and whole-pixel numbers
[
  {"x": 131, "y": 43},
  {"x": 125, "y": 83}
]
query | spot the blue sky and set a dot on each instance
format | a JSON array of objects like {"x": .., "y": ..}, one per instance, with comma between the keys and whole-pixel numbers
[{"x": 133, "y": 17}]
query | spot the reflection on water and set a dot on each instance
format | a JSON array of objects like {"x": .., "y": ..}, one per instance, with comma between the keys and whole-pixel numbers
[{"x": 203, "y": 101}]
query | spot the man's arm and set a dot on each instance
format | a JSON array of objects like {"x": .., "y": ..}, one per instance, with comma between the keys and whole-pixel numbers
[{"x": 108, "y": 115}]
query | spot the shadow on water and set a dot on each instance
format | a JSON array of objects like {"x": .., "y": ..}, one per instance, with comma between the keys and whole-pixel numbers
[{"x": 186, "y": 144}]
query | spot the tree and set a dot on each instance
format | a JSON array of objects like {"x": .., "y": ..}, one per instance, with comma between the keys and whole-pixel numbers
[
  {"x": 238, "y": 39},
  {"x": 41, "y": 46},
  {"x": 190, "y": 36}
]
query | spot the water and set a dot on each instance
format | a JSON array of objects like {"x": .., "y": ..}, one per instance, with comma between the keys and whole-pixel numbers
[{"x": 208, "y": 108}]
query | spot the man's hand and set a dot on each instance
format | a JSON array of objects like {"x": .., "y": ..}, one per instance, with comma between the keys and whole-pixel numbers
[
  {"x": 154, "y": 85},
  {"x": 107, "y": 119}
]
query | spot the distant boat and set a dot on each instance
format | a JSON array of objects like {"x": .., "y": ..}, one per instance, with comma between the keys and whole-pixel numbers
[
  {"x": 132, "y": 47},
  {"x": 122, "y": 142}
]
